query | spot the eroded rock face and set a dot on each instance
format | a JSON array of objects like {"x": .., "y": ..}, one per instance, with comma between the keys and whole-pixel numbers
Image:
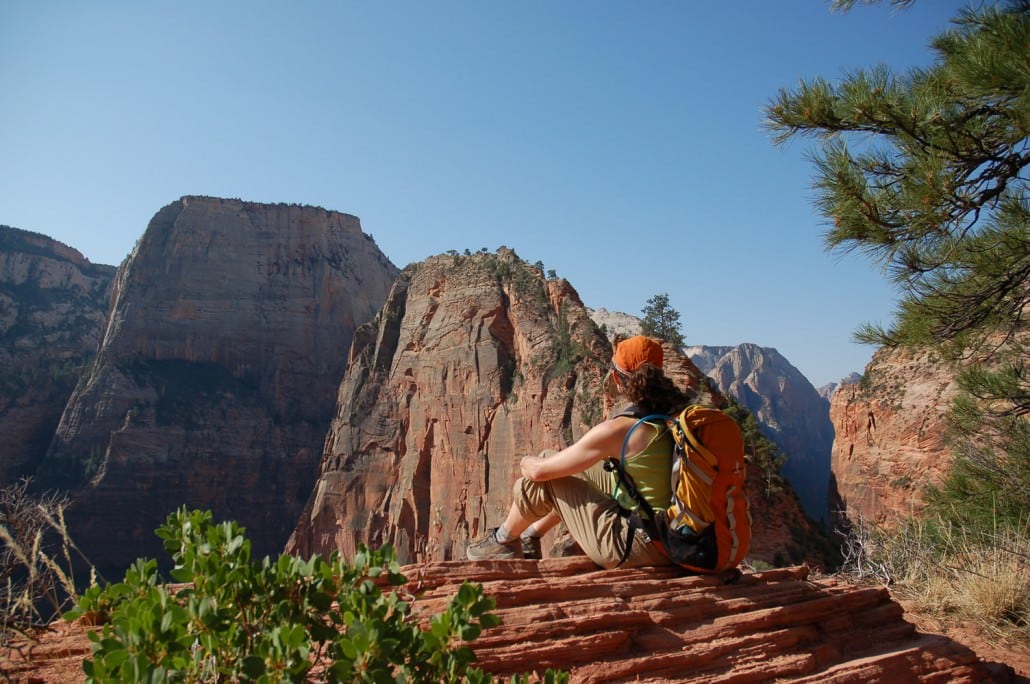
[
  {"x": 216, "y": 378},
  {"x": 466, "y": 369},
  {"x": 890, "y": 436},
  {"x": 53, "y": 306},
  {"x": 615, "y": 323},
  {"x": 473, "y": 362}
]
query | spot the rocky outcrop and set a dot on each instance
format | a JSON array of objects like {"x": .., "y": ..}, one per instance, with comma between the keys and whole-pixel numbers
[
  {"x": 659, "y": 625},
  {"x": 651, "y": 625},
  {"x": 215, "y": 381},
  {"x": 890, "y": 436},
  {"x": 474, "y": 362},
  {"x": 615, "y": 323},
  {"x": 53, "y": 306},
  {"x": 787, "y": 407},
  {"x": 827, "y": 390}
]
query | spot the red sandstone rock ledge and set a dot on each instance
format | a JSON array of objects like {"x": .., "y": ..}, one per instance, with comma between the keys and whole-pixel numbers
[
  {"x": 653, "y": 625},
  {"x": 657, "y": 625}
]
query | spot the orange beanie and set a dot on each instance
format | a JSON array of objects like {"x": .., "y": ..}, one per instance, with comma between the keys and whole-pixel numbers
[{"x": 637, "y": 350}]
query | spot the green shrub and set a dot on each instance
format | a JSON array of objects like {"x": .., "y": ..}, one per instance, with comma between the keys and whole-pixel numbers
[{"x": 276, "y": 620}]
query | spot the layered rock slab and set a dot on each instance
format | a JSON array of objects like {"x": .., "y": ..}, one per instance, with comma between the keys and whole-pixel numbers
[
  {"x": 215, "y": 381},
  {"x": 659, "y": 625}
]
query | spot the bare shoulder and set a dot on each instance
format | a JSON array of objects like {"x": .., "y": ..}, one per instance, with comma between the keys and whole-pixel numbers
[
  {"x": 618, "y": 428},
  {"x": 607, "y": 431}
]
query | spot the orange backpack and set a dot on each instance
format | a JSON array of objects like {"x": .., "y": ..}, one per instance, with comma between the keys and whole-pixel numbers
[{"x": 707, "y": 526}]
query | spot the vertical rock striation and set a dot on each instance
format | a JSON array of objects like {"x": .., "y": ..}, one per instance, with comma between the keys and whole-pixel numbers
[
  {"x": 53, "y": 306},
  {"x": 214, "y": 384},
  {"x": 473, "y": 362},
  {"x": 890, "y": 439}
]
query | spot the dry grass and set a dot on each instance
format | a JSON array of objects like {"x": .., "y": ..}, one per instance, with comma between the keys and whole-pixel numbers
[
  {"x": 984, "y": 578},
  {"x": 36, "y": 579},
  {"x": 951, "y": 573}
]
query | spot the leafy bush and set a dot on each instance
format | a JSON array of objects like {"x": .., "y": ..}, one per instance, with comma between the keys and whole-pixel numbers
[{"x": 277, "y": 620}]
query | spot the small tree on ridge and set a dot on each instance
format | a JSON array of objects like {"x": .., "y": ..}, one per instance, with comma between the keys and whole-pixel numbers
[{"x": 661, "y": 321}]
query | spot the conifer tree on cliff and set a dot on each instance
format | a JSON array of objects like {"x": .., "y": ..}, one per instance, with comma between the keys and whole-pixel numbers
[
  {"x": 927, "y": 173},
  {"x": 661, "y": 321}
]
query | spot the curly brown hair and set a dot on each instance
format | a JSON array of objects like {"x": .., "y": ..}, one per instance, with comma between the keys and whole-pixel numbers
[{"x": 653, "y": 392}]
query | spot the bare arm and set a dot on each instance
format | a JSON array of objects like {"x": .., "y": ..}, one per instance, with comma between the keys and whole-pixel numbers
[{"x": 601, "y": 441}]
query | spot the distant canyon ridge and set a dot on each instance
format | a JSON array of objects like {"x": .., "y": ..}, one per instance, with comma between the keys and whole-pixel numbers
[{"x": 268, "y": 362}]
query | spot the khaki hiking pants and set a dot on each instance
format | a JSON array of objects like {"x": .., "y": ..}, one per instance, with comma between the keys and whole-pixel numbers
[{"x": 584, "y": 503}]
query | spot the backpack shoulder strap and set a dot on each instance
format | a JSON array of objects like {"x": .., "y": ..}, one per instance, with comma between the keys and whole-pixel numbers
[
  {"x": 627, "y": 411},
  {"x": 653, "y": 418}
]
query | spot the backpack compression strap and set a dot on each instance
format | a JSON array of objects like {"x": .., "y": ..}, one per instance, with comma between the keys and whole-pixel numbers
[{"x": 695, "y": 443}]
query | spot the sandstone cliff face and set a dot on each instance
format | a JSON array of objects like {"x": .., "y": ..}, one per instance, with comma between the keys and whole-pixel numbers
[
  {"x": 473, "y": 362},
  {"x": 53, "y": 306},
  {"x": 788, "y": 408},
  {"x": 215, "y": 380},
  {"x": 890, "y": 436}
]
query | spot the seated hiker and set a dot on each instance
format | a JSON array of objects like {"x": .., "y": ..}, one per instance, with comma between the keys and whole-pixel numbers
[{"x": 572, "y": 485}]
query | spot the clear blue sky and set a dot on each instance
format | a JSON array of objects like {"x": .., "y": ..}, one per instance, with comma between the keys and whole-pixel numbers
[{"x": 618, "y": 142}]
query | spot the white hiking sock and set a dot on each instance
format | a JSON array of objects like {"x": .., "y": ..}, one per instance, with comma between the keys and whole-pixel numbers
[
  {"x": 503, "y": 536},
  {"x": 531, "y": 532}
]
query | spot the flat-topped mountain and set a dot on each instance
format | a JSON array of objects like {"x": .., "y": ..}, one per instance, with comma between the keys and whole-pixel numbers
[{"x": 215, "y": 381}]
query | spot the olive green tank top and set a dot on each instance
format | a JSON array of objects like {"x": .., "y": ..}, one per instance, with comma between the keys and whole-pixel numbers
[{"x": 650, "y": 468}]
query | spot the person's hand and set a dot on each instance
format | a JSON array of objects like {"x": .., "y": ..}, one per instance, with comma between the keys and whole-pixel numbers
[{"x": 528, "y": 466}]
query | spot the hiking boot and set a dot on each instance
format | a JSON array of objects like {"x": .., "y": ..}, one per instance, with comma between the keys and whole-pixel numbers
[
  {"x": 531, "y": 548},
  {"x": 488, "y": 548}
]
